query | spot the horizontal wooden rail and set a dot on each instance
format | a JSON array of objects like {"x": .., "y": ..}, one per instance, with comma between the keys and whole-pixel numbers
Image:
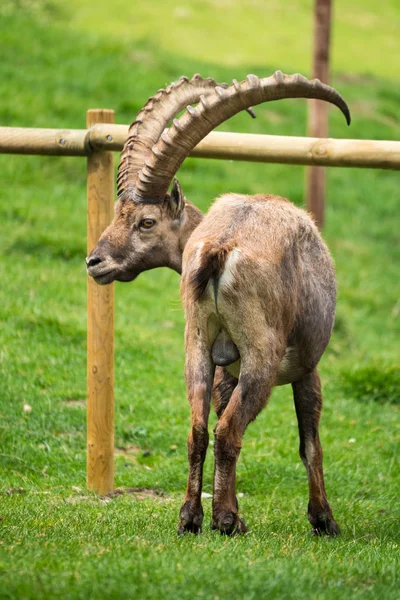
[
  {"x": 57, "y": 142},
  {"x": 330, "y": 152},
  {"x": 300, "y": 150}
]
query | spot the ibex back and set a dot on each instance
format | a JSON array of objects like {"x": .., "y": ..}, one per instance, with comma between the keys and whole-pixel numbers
[{"x": 258, "y": 285}]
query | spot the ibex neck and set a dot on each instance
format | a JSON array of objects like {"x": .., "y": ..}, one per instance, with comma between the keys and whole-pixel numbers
[{"x": 192, "y": 218}]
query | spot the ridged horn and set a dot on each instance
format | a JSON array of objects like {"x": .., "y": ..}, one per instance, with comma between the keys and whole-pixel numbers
[
  {"x": 152, "y": 120},
  {"x": 185, "y": 133}
]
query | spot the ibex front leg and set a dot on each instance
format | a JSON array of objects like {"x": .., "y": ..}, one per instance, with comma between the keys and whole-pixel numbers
[
  {"x": 199, "y": 374},
  {"x": 308, "y": 402}
]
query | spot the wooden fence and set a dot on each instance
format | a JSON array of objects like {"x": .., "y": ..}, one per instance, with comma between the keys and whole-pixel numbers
[{"x": 97, "y": 143}]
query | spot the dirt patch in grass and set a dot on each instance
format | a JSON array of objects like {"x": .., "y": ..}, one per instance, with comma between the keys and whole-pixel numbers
[
  {"x": 72, "y": 403},
  {"x": 13, "y": 491},
  {"x": 129, "y": 453},
  {"x": 68, "y": 435},
  {"x": 141, "y": 493},
  {"x": 355, "y": 78}
]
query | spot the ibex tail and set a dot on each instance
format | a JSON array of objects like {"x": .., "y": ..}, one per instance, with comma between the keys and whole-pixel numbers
[{"x": 212, "y": 262}]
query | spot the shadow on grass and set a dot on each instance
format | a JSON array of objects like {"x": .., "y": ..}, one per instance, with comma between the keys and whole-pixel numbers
[
  {"x": 341, "y": 328},
  {"x": 372, "y": 383},
  {"x": 52, "y": 329},
  {"x": 53, "y": 249}
]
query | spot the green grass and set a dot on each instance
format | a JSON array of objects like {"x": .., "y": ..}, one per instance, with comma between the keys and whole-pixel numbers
[
  {"x": 257, "y": 33},
  {"x": 58, "y": 540}
]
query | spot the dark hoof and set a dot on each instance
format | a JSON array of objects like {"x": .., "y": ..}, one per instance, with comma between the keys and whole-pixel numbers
[
  {"x": 191, "y": 519},
  {"x": 229, "y": 523},
  {"x": 325, "y": 526}
]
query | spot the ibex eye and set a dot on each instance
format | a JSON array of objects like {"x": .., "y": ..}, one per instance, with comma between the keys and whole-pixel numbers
[{"x": 147, "y": 223}]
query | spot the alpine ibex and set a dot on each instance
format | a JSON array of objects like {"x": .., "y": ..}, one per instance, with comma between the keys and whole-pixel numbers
[{"x": 258, "y": 284}]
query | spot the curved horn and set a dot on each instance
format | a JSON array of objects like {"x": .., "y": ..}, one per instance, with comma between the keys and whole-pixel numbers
[
  {"x": 173, "y": 147},
  {"x": 152, "y": 120}
]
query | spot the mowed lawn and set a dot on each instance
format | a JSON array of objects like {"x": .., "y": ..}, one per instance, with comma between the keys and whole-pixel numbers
[{"x": 57, "y": 539}]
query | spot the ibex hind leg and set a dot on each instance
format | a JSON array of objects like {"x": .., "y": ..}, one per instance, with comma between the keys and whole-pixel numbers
[
  {"x": 224, "y": 384},
  {"x": 199, "y": 374},
  {"x": 247, "y": 400},
  {"x": 308, "y": 403}
]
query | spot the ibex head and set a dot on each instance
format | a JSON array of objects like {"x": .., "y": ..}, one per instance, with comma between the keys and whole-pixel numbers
[
  {"x": 151, "y": 226},
  {"x": 143, "y": 236},
  {"x": 148, "y": 232}
]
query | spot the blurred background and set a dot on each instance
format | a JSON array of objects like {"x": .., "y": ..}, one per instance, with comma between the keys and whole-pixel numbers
[{"x": 58, "y": 59}]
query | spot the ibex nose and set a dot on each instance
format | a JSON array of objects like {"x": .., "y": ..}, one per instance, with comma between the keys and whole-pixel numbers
[{"x": 92, "y": 261}]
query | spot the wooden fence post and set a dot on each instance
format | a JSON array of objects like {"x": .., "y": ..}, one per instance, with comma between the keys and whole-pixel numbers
[
  {"x": 318, "y": 110},
  {"x": 100, "y": 330}
]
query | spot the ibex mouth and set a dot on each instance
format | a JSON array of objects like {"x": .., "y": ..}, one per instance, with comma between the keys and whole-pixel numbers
[
  {"x": 103, "y": 271},
  {"x": 104, "y": 278},
  {"x": 111, "y": 275}
]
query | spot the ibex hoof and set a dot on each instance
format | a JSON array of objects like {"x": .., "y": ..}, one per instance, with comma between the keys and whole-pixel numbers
[
  {"x": 191, "y": 519},
  {"x": 325, "y": 526},
  {"x": 229, "y": 523}
]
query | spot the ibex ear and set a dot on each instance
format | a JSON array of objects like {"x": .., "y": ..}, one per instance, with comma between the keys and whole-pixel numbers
[{"x": 177, "y": 199}]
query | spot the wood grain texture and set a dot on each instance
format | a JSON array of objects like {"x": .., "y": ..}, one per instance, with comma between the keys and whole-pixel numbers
[{"x": 100, "y": 333}]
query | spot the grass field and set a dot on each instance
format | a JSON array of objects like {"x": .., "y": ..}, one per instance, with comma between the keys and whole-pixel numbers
[{"x": 58, "y": 540}]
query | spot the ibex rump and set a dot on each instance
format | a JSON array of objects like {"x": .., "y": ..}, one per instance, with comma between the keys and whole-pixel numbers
[{"x": 258, "y": 285}]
